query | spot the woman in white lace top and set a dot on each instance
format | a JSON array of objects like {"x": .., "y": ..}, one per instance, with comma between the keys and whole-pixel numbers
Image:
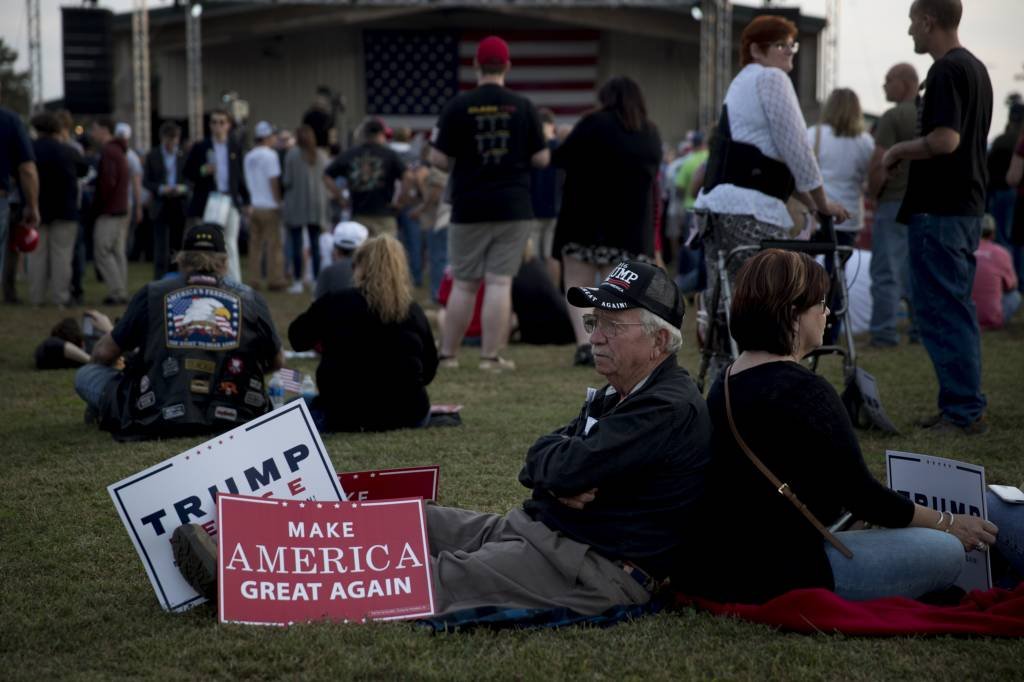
[{"x": 763, "y": 112}]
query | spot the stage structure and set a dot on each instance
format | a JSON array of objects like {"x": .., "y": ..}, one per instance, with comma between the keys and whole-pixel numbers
[
  {"x": 140, "y": 75},
  {"x": 35, "y": 57},
  {"x": 276, "y": 55}
]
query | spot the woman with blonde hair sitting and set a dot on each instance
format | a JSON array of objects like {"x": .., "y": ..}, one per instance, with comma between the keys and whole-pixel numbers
[{"x": 377, "y": 350}]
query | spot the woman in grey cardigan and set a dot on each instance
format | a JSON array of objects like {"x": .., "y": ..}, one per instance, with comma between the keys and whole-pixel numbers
[{"x": 305, "y": 201}]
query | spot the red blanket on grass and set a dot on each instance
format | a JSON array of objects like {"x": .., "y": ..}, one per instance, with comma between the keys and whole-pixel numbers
[{"x": 995, "y": 612}]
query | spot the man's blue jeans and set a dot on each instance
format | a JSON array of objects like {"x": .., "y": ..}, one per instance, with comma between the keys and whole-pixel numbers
[
  {"x": 91, "y": 381},
  {"x": 437, "y": 249},
  {"x": 412, "y": 239},
  {"x": 941, "y": 278},
  {"x": 890, "y": 276},
  {"x": 5, "y": 216},
  {"x": 1001, "y": 205}
]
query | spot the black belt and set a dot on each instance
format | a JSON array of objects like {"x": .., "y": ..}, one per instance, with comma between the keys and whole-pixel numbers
[{"x": 645, "y": 579}]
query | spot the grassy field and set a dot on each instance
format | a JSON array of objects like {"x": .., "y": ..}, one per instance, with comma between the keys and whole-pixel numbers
[{"x": 75, "y": 600}]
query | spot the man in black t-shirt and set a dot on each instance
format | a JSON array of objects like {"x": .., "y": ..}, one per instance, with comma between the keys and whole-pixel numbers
[
  {"x": 942, "y": 207},
  {"x": 494, "y": 137},
  {"x": 371, "y": 170}
]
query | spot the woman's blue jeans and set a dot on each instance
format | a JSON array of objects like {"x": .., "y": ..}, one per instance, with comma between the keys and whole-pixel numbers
[{"x": 895, "y": 562}]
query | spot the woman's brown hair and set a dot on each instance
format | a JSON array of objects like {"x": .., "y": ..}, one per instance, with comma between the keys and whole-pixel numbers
[
  {"x": 622, "y": 96},
  {"x": 764, "y": 30},
  {"x": 772, "y": 290},
  {"x": 382, "y": 274},
  {"x": 305, "y": 139}
]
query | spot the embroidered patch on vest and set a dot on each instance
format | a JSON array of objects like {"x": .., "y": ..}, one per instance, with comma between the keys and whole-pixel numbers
[
  {"x": 146, "y": 400},
  {"x": 196, "y": 365},
  {"x": 170, "y": 367},
  {"x": 253, "y": 398},
  {"x": 229, "y": 413},
  {"x": 202, "y": 317},
  {"x": 174, "y": 411}
]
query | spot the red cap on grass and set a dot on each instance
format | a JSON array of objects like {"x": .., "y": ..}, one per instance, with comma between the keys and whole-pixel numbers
[{"x": 492, "y": 50}]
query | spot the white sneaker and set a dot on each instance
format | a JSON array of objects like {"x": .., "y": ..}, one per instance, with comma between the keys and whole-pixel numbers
[
  {"x": 295, "y": 288},
  {"x": 497, "y": 364},
  {"x": 448, "y": 363}
]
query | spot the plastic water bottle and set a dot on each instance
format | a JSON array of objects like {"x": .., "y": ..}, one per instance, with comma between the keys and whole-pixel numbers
[
  {"x": 308, "y": 388},
  {"x": 276, "y": 391}
]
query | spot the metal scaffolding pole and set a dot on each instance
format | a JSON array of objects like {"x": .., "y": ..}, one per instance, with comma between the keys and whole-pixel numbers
[
  {"x": 140, "y": 74},
  {"x": 35, "y": 57},
  {"x": 830, "y": 52},
  {"x": 194, "y": 67},
  {"x": 723, "y": 52},
  {"x": 715, "y": 58}
]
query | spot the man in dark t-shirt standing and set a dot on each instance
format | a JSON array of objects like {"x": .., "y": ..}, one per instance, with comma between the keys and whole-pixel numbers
[
  {"x": 942, "y": 207},
  {"x": 371, "y": 170},
  {"x": 494, "y": 137}
]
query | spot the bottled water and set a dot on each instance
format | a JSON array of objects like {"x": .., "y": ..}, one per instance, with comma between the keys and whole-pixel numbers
[
  {"x": 308, "y": 388},
  {"x": 276, "y": 391}
]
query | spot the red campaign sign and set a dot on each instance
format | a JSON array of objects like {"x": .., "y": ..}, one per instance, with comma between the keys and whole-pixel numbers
[
  {"x": 390, "y": 484},
  {"x": 289, "y": 561}
]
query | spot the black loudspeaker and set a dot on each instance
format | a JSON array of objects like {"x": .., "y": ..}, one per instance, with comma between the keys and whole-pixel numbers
[{"x": 88, "y": 60}]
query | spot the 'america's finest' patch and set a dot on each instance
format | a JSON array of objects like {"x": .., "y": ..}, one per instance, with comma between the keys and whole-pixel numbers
[{"x": 202, "y": 317}]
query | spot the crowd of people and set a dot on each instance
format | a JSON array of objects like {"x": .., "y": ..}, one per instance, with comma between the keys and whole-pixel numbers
[{"x": 622, "y": 494}]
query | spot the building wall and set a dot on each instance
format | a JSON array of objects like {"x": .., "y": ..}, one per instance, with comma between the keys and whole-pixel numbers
[{"x": 666, "y": 72}]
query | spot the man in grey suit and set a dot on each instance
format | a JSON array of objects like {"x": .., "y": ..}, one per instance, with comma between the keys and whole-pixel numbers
[{"x": 163, "y": 178}]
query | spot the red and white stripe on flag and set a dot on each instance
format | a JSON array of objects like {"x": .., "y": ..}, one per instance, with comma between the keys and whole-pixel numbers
[{"x": 556, "y": 69}]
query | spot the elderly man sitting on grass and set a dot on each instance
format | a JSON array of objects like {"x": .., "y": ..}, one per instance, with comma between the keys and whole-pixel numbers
[{"x": 612, "y": 491}]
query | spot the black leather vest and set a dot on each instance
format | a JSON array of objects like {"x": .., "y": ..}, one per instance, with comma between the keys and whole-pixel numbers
[{"x": 199, "y": 371}]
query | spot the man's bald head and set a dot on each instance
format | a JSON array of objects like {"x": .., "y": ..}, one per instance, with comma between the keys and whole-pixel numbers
[{"x": 901, "y": 83}]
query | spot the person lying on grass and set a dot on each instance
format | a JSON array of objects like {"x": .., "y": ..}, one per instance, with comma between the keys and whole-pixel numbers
[{"x": 612, "y": 490}]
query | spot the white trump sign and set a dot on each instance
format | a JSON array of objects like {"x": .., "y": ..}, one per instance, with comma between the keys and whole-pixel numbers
[
  {"x": 945, "y": 485},
  {"x": 278, "y": 455}
]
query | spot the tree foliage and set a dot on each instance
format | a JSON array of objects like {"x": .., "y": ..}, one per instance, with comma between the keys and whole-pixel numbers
[{"x": 14, "y": 85}]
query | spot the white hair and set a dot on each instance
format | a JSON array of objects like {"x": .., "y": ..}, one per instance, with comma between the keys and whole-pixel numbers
[{"x": 652, "y": 323}]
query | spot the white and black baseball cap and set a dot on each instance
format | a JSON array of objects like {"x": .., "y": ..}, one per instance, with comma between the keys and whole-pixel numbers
[{"x": 633, "y": 284}]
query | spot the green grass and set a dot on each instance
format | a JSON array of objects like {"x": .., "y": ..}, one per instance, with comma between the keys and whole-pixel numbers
[{"x": 75, "y": 600}]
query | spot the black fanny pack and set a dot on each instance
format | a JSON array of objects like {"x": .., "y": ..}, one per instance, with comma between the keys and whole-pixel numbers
[{"x": 741, "y": 164}]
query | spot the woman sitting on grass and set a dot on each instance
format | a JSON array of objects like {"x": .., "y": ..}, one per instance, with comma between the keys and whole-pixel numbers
[
  {"x": 377, "y": 349},
  {"x": 756, "y": 543}
]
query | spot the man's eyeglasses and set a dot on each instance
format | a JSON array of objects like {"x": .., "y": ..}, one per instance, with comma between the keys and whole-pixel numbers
[
  {"x": 218, "y": 121},
  {"x": 609, "y": 328},
  {"x": 782, "y": 46}
]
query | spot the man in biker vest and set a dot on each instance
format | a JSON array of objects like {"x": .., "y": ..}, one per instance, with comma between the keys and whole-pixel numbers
[{"x": 196, "y": 348}]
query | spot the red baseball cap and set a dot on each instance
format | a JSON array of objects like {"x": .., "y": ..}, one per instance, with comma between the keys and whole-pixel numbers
[{"x": 492, "y": 50}]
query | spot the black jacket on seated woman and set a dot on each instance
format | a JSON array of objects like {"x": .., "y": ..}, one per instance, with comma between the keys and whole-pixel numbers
[
  {"x": 377, "y": 350},
  {"x": 753, "y": 544}
]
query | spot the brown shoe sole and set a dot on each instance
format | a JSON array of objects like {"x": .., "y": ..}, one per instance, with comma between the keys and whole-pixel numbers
[{"x": 195, "y": 552}]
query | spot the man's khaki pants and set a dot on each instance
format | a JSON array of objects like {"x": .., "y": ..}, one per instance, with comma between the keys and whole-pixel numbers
[
  {"x": 378, "y": 224},
  {"x": 265, "y": 234},
  {"x": 110, "y": 240},
  {"x": 50, "y": 263}
]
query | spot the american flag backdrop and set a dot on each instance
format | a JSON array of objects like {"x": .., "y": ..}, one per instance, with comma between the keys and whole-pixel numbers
[{"x": 411, "y": 75}]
